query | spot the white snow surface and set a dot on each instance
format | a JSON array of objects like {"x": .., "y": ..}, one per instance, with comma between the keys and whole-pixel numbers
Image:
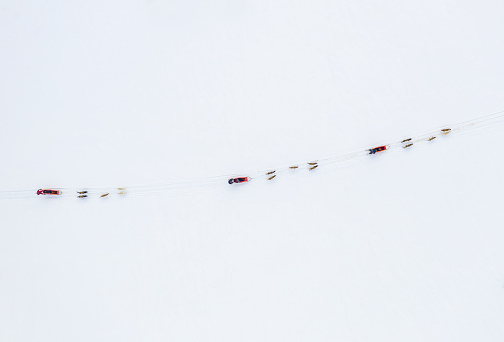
[{"x": 400, "y": 246}]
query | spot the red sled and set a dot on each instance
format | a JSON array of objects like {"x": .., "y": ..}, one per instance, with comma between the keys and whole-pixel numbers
[
  {"x": 238, "y": 180},
  {"x": 48, "y": 192},
  {"x": 377, "y": 149}
]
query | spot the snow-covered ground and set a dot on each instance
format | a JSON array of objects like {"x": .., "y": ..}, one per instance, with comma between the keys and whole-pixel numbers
[{"x": 402, "y": 246}]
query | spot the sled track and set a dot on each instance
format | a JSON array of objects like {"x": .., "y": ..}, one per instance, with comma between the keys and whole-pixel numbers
[{"x": 268, "y": 175}]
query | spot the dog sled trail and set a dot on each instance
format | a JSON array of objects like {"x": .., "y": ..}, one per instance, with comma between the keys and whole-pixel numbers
[{"x": 270, "y": 175}]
